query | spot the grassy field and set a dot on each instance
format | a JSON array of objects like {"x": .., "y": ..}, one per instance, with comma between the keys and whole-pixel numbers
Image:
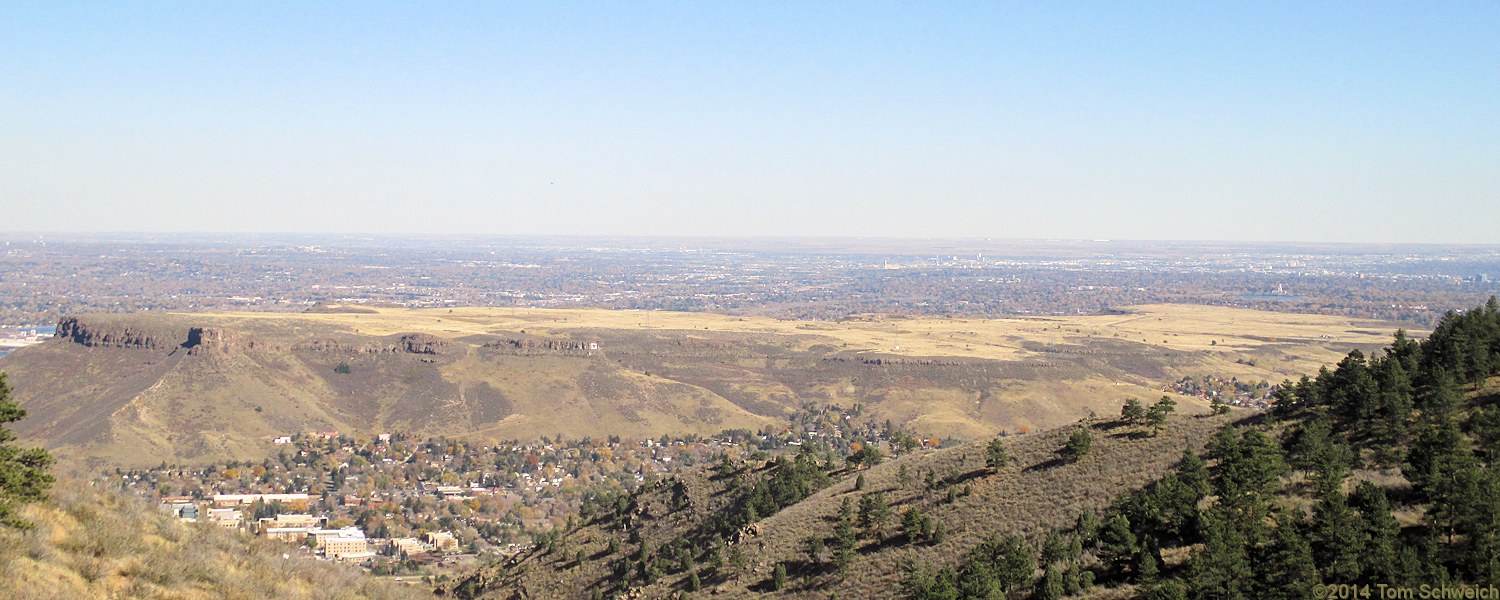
[{"x": 1176, "y": 327}]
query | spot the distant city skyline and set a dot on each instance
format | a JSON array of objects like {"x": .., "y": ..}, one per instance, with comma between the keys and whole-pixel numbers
[{"x": 1265, "y": 122}]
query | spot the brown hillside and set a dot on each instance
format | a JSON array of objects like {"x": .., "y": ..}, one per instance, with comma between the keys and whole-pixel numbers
[
  {"x": 88, "y": 543},
  {"x": 143, "y": 389},
  {"x": 1035, "y": 493}
]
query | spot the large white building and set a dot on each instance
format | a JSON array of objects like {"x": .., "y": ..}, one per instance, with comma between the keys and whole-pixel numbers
[
  {"x": 341, "y": 543},
  {"x": 241, "y": 499}
]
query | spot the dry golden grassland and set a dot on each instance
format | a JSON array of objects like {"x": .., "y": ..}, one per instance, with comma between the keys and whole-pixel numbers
[
  {"x": 1174, "y": 326},
  {"x": 91, "y": 544},
  {"x": 1222, "y": 337}
]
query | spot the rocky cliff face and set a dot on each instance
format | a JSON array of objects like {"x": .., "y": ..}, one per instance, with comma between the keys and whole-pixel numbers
[
  {"x": 529, "y": 347},
  {"x": 112, "y": 333},
  {"x": 411, "y": 343},
  {"x": 115, "y": 332},
  {"x": 202, "y": 340},
  {"x": 423, "y": 343}
]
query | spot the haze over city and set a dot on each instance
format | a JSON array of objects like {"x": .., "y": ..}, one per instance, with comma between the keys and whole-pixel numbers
[{"x": 1274, "y": 121}]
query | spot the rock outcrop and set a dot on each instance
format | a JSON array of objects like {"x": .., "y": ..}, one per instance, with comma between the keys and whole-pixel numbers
[
  {"x": 108, "y": 331},
  {"x": 532, "y": 346},
  {"x": 104, "y": 332},
  {"x": 410, "y": 343},
  {"x": 202, "y": 340},
  {"x": 423, "y": 343}
]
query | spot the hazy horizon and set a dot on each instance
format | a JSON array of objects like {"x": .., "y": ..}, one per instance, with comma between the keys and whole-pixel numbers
[
  {"x": 1161, "y": 122},
  {"x": 731, "y": 242}
]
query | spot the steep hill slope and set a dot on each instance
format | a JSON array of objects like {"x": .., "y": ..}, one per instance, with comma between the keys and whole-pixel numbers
[
  {"x": 141, "y": 389},
  {"x": 91, "y": 544},
  {"x": 654, "y": 543}
]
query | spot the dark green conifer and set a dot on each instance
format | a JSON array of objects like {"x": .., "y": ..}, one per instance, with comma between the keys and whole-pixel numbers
[{"x": 23, "y": 471}]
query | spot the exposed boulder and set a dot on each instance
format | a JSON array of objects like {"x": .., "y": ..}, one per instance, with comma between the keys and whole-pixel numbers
[{"x": 423, "y": 343}]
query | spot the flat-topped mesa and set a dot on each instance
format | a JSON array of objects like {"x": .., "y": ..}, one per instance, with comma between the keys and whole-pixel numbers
[
  {"x": 107, "y": 332},
  {"x": 116, "y": 331}
]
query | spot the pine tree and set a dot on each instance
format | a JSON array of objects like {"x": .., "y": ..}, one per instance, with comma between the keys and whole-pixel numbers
[
  {"x": 815, "y": 546},
  {"x": 1170, "y": 589},
  {"x": 1484, "y": 424},
  {"x": 1194, "y": 474},
  {"x": 844, "y": 538},
  {"x": 1148, "y": 565},
  {"x": 923, "y": 583},
  {"x": 1156, "y": 416},
  {"x": 995, "y": 457},
  {"x": 778, "y": 577},
  {"x": 915, "y": 525},
  {"x": 716, "y": 557},
  {"x": 23, "y": 471},
  {"x": 1072, "y": 584},
  {"x": 1332, "y": 468},
  {"x": 1250, "y": 466},
  {"x": 1354, "y": 391},
  {"x": 1395, "y": 408},
  {"x": 1339, "y": 538},
  {"x": 1381, "y": 532},
  {"x": 737, "y": 559},
  {"x": 1086, "y": 527},
  {"x": 997, "y": 566},
  {"x": 1439, "y": 398},
  {"x": 1078, "y": 444},
  {"x": 1306, "y": 444},
  {"x": 1284, "y": 568},
  {"x": 1439, "y": 449},
  {"x": 1284, "y": 398},
  {"x": 1050, "y": 586},
  {"x": 1472, "y": 511},
  {"x": 1117, "y": 543},
  {"x": 1054, "y": 549},
  {"x": 874, "y": 511},
  {"x": 1133, "y": 412},
  {"x": 1222, "y": 568}
]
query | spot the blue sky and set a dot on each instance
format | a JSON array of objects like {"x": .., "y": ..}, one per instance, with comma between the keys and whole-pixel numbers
[{"x": 1361, "y": 121}]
